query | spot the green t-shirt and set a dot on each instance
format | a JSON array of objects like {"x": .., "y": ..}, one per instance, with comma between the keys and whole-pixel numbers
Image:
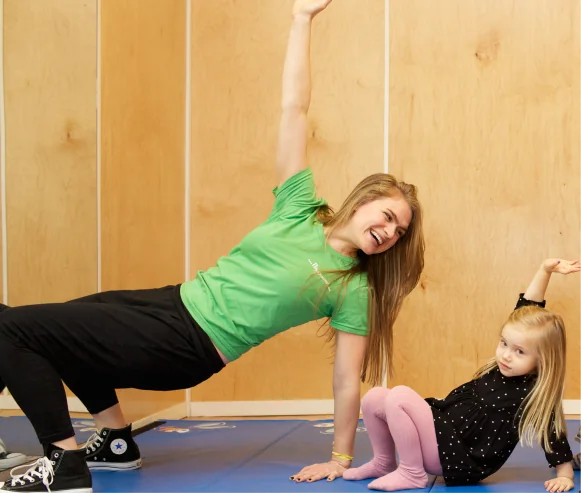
[{"x": 275, "y": 278}]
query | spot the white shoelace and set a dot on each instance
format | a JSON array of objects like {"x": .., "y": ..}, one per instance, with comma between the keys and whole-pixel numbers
[
  {"x": 42, "y": 468},
  {"x": 94, "y": 442}
]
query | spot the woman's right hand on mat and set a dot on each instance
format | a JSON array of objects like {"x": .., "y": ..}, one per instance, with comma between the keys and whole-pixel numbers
[
  {"x": 330, "y": 470},
  {"x": 309, "y": 7}
]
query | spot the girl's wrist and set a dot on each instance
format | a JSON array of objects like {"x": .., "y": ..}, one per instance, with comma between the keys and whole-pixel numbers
[{"x": 302, "y": 17}]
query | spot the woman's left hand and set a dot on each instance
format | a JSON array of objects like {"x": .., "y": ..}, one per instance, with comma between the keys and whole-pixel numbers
[{"x": 330, "y": 470}]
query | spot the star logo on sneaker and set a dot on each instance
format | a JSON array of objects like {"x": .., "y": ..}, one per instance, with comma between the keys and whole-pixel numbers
[{"x": 118, "y": 446}]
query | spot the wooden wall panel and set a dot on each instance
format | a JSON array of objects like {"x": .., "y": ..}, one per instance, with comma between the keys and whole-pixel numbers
[
  {"x": 142, "y": 166},
  {"x": 238, "y": 52},
  {"x": 49, "y": 76},
  {"x": 484, "y": 118},
  {"x": 2, "y": 239}
]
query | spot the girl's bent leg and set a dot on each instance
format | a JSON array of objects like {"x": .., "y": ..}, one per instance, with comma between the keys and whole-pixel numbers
[
  {"x": 383, "y": 462},
  {"x": 411, "y": 423}
]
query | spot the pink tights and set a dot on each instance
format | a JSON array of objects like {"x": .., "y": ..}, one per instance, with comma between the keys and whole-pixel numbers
[{"x": 398, "y": 418}]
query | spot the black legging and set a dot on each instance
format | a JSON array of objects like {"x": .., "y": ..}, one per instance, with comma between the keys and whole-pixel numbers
[{"x": 143, "y": 339}]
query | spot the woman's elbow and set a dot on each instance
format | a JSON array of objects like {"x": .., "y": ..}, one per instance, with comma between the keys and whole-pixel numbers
[{"x": 347, "y": 382}]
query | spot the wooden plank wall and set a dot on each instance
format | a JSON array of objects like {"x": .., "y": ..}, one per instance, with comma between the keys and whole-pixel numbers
[{"x": 483, "y": 116}]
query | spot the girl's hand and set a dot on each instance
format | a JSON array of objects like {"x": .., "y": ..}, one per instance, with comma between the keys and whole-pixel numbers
[
  {"x": 561, "y": 266},
  {"x": 330, "y": 470},
  {"x": 559, "y": 484},
  {"x": 309, "y": 8}
]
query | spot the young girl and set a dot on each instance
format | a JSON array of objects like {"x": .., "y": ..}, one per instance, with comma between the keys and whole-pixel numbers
[
  {"x": 303, "y": 263},
  {"x": 470, "y": 434}
]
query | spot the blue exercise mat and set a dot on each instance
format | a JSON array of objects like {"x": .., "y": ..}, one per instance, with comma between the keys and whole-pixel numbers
[{"x": 259, "y": 456}]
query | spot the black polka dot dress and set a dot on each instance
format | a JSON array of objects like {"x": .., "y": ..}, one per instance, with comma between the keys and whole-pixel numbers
[{"x": 477, "y": 426}]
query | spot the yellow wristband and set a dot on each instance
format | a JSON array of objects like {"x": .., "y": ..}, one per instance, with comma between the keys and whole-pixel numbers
[{"x": 342, "y": 456}]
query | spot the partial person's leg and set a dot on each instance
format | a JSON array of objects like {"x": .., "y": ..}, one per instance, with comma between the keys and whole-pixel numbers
[
  {"x": 383, "y": 462},
  {"x": 576, "y": 461},
  {"x": 9, "y": 459},
  {"x": 2, "y": 384},
  {"x": 411, "y": 424}
]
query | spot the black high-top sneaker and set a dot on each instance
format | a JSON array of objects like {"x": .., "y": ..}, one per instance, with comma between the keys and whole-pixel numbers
[
  {"x": 113, "y": 450},
  {"x": 59, "y": 471}
]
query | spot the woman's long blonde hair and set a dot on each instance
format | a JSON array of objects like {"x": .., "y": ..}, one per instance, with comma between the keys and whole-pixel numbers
[
  {"x": 543, "y": 406},
  {"x": 391, "y": 275}
]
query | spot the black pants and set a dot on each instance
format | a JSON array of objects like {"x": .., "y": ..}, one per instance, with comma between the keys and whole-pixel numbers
[{"x": 142, "y": 339}]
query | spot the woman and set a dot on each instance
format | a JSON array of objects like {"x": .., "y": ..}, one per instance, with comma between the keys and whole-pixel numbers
[{"x": 304, "y": 263}]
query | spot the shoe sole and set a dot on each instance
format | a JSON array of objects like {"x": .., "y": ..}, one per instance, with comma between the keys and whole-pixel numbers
[
  {"x": 114, "y": 466},
  {"x": 13, "y": 460}
]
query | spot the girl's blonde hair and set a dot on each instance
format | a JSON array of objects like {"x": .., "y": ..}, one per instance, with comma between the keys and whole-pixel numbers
[
  {"x": 391, "y": 275},
  {"x": 543, "y": 410}
]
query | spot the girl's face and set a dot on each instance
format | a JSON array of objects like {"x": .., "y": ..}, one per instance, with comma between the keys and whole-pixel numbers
[
  {"x": 516, "y": 353},
  {"x": 377, "y": 226}
]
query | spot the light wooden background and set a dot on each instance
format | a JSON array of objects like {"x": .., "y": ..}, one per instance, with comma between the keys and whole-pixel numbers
[
  {"x": 484, "y": 117},
  {"x": 482, "y": 114}
]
